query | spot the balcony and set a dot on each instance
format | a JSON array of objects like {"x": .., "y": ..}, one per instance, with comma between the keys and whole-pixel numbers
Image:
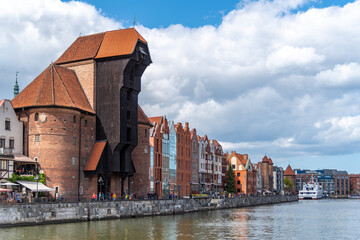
[{"x": 6, "y": 151}]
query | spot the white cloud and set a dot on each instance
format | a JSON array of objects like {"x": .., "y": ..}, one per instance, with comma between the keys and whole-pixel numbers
[
  {"x": 268, "y": 79},
  {"x": 34, "y": 33}
]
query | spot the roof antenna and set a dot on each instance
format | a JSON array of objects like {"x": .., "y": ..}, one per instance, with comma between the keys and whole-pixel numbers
[{"x": 134, "y": 21}]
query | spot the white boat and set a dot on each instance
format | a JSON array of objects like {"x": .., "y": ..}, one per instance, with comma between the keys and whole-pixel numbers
[{"x": 311, "y": 190}]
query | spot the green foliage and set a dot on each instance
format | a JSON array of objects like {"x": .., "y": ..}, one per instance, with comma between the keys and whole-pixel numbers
[
  {"x": 230, "y": 181},
  {"x": 288, "y": 184},
  {"x": 16, "y": 177}
]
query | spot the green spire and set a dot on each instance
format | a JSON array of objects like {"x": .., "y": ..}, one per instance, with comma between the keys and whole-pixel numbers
[{"x": 16, "y": 86}]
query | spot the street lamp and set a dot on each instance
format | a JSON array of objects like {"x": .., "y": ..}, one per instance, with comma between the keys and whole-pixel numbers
[
  {"x": 100, "y": 183},
  {"x": 37, "y": 186}
]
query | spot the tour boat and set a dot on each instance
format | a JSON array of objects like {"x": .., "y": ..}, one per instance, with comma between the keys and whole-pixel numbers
[{"x": 311, "y": 190}]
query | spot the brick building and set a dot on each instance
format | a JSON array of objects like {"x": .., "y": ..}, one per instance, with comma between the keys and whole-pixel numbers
[
  {"x": 355, "y": 184},
  {"x": 290, "y": 174},
  {"x": 195, "y": 185},
  {"x": 245, "y": 173},
  {"x": 98, "y": 75},
  {"x": 266, "y": 171},
  {"x": 183, "y": 159},
  {"x": 141, "y": 157}
]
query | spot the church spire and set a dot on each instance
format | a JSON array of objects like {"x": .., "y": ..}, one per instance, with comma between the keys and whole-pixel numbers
[{"x": 16, "y": 86}]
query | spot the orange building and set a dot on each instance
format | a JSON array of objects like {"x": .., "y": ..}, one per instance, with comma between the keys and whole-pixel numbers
[
  {"x": 183, "y": 146},
  {"x": 290, "y": 174},
  {"x": 245, "y": 174}
]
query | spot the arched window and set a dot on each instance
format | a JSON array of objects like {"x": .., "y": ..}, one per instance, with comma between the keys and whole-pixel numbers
[
  {"x": 36, "y": 117},
  {"x": 85, "y": 122},
  {"x": 74, "y": 119}
]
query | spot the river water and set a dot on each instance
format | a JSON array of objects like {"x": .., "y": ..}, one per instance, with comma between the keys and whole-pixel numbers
[{"x": 321, "y": 219}]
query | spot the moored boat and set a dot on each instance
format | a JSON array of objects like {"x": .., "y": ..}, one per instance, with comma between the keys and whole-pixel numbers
[{"x": 311, "y": 190}]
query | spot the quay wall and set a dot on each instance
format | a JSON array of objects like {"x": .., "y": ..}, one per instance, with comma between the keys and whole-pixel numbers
[{"x": 48, "y": 213}]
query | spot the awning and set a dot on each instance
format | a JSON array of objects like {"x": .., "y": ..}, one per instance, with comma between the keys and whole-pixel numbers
[
  {"x": 95, "y": 156},
  {"x": 22, "y": 158},
  {"x": 35, "y": 186}
]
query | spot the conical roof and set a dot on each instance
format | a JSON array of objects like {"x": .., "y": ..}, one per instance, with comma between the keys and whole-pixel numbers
[
  {"x": 289, "y": 171},
  {"x": 55, "y": 86}
]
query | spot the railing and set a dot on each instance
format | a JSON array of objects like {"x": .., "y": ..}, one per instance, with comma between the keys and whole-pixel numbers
[{"x": 5, "y": 151}]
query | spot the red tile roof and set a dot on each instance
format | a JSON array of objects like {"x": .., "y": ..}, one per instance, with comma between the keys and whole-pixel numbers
[
  {"x": 55, "y": 86},
  {"x": 289, "y": 171},
  {"x": 2, "y": 102},
  {"x": 119, "y": 42},
  {"x": 265, "y": 159},
  {"x": 83, "y": 48},
  {"x": 156, "y": 119},
  {"x": 95, "y": 155},
  {"x": 142, "y": 118},
  {"x": 270, "y": 161},
  {"x": 102, "y": 45},
  {"x": 242, "y": 157}
]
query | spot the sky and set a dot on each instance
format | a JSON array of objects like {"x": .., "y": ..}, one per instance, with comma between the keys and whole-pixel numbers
[{"x": 279, "y": 77}]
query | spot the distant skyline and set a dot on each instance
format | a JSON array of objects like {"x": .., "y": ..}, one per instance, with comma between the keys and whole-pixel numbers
[{"x": 279, "y": 77}]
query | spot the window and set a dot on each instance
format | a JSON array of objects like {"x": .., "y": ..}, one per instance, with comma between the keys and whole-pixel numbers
[
  {"x": 85, "y": 123},
  {"x": 74, "y": 119},
  {"x": 7, "y": 124},
  {"x": 37, "y": 137},
  {"x": 2, "y": 142},
  {"x": 36, "y": 118},
  {"x": 74, "y": 140},
  {"x": 238, "y": 182},
  {"x": 233, "y": 166},
  {"x": 73, "y": 161},
  {"x": 238, "y": 174},
  {"x": 11, "y": 143},
  {"x": 145, "y": 132}
]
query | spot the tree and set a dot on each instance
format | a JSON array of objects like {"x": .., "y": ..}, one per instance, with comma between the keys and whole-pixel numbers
[
  {"x": 288, "y": 184},
  {"x": 230, "y": 181}
]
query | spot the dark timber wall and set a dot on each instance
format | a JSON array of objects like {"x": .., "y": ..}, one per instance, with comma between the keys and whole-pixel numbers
[{"x": 118, "y": 83}]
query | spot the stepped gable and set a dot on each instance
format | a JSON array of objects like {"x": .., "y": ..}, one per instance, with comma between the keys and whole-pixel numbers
[
  {"x": 142, "y": 118},
  {"x": 289, "y": 171},
  {"x": 55, "y": 86},
  {"x": 102, "y": 45}
]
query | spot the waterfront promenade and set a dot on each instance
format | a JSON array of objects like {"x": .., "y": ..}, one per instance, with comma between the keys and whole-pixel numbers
[{"x": 47, "y": 213}]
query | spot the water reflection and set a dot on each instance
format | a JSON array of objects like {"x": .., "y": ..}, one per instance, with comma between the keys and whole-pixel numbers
[{"x": 325, "y": 219}]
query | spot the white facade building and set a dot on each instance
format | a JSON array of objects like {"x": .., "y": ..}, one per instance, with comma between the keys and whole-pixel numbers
[{"x": 11, "y": 139}]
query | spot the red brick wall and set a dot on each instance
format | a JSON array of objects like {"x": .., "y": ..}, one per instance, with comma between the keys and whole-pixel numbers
[
  {"x": 183, "y": 146},
  {"x": 156, "y": 142},
  {"x": 56, "y": 147},
  {"x": 141, "y": 160}
]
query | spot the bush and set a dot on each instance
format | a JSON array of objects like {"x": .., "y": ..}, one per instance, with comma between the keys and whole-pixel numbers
[{"x": 16, "y": 177}]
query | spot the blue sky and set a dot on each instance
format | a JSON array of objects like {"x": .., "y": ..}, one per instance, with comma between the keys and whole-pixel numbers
[{"x": 278, "y": 77}]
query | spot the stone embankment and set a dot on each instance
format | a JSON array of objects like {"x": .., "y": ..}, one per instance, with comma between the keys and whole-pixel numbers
[{"x": 47, "y": 213}]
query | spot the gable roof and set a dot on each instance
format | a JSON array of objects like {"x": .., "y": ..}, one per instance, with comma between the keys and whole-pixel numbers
[
  {"x": 242, "y": 157},
  {"x": 102, "y": 45},
  {"x": 142, "y": 118},
  {"x": 289, "y": 171},
  {"x": 55, "y": 86},
  {"x": 157, "y": 120}
]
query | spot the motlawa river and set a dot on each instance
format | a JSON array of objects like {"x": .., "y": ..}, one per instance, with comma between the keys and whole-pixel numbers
[{"x": 321, "y": 219}]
